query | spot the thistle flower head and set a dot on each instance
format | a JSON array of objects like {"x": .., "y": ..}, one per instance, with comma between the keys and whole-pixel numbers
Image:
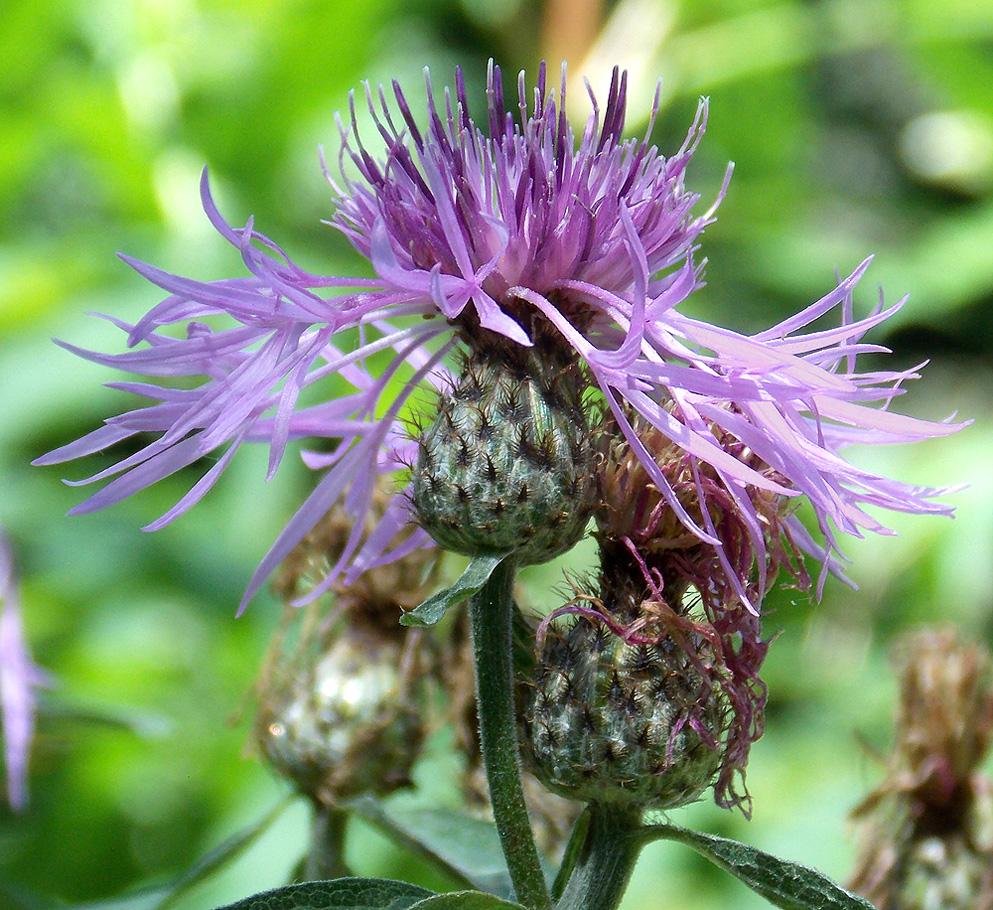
[
  {"x": 496, "y": 225},
  {"x": 505, "y": 226},
  {"x": 702, "y": 597},
  {"x": 945, "y": 719},
  {"x": 626, "y": 705},
  {"x": 690, "y": 654}
]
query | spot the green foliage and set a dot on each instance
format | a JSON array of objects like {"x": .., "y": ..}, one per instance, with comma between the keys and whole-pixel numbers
[
  {"x": 471, "y": 581},
  {"x": 786, "y": 885},
  {"x": 368, "y": 894},
  {"x": 466, "y": 900},
  {"x": 342, "y": 894},
  {"x": 466, "y": 849}
]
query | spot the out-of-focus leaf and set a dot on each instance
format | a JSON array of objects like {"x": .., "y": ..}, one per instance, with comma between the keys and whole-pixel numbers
[
  {"x": 140, "y": 722},
  {"x": 786, "y": 885},
  {"x": 223, "y": 854},
  {"x": 466, "y": 849},
  {"x": 340, "y": 894},
  {"x": 146, "y": 899},
  {"x": 13, "y": 898},
  {"x": 214, "y": 861}
]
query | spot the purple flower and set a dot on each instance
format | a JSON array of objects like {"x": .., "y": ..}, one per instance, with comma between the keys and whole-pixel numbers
[
  {"x": 493, "y": 229},
  {"x": 18, "y": 679}
]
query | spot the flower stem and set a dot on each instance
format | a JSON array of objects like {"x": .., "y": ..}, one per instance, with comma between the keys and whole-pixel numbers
[
  {"x": 606, "y": 860},
  {"x": 325, "y": 859},
  {"x": 491, "y": 616}
]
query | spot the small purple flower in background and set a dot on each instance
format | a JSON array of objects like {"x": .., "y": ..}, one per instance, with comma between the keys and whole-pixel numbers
[
  {"x": 19, "y": 677},
  {"x": 500, "y": 230}
]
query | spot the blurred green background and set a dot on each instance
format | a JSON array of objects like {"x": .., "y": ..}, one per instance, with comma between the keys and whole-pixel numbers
[{"x": 856, "y": 126}]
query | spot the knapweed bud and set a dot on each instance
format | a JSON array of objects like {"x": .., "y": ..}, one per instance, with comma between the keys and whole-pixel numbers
[
  {"x": 351, "y": 723},
  {"x": 947, "y": 873},
  {"x": 342, "y": 694},
  {"x": 704, "y": 587},
  {"x": 621, "y": 710},
  {"x": 927, "y": 830},
  {"x": 507, "y": 465}
]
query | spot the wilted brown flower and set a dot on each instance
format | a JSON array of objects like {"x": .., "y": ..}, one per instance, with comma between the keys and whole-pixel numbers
[{"x": 927, "y": 830}]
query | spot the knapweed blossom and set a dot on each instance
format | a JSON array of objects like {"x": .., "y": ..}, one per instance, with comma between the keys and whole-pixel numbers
[{"x": 504, "y": 229}]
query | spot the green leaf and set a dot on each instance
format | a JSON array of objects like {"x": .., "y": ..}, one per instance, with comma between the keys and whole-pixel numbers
[
  {"x": 476, "y": 575},
  {"x": 570, "y": 857},
  {"x": 340, "y": 894},
  {"x": 464, "y": 848},
  {"x": 220, "y": 856},
  {"x": 140, "y": 722},
  {"x": 13, "y": 897},
  {"x": 161, "y": 898},
  {"x": 786, "y": 885},
  {"x": 465, "y": 900}
]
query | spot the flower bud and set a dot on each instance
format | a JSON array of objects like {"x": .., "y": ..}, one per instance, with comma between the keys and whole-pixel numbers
[
  {"x": 621, "y": 710},
  {"x": 507, "y": 465},
  {"x": 342, "y": 694},
  {"x": 946, "y": 873},
  {"x": 349, "y": 724}
]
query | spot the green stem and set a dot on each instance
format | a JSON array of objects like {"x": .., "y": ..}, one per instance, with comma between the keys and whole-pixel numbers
[
  {"x": 606, "y": 861},
  {"x": 326, "y": 857},
  {"x": 491, "y": 616}
]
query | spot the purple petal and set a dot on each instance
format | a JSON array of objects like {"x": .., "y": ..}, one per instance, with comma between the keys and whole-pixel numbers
[{"x": 19, "y": 677}]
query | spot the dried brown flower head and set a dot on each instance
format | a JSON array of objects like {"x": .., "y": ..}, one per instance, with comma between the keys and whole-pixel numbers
[{"x": 927, "y": 830}]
